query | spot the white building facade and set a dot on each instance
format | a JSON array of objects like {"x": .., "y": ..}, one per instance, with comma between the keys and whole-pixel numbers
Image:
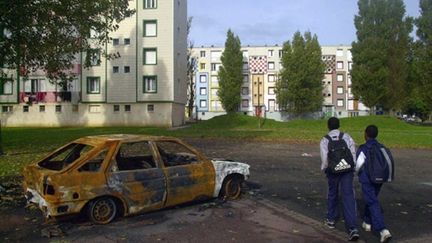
[
  {"x": 261, "y": 66},
  {"x": 146, "y": 86}
]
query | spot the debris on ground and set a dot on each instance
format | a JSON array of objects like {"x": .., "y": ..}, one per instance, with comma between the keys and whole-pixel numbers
[
  {"x": 306, "y": 155},
  {"x": 52, "y": 231},
  {"x": 11, "y": 193}
]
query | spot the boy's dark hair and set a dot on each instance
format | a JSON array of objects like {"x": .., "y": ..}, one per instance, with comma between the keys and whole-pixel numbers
[
  {"x": 371, "y": 131},
  {"x": 333, "y": 123}
]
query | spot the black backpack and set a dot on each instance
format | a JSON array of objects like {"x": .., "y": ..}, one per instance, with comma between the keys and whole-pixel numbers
[
  {"x": 340, "y": 159},
  {"x": 380, "y": 166}
]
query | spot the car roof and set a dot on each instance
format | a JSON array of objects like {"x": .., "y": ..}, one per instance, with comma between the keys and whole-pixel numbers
[{"x": 121, "y": 138}]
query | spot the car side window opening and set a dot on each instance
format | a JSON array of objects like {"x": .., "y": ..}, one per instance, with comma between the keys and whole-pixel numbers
[
  {"x": 94, "y": 164},
  {"x": 135, "y": 156},
  {"x": 65, "y": 156},
  {"x": 175, "y": 154}
]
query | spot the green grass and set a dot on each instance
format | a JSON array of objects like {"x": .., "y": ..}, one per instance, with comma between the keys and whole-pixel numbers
[{"x": 23, "y": 145}]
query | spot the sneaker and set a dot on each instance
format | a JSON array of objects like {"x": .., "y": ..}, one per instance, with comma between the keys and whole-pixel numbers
[
  {"x": 330, "y": 224},
  {"x": 353, "y": 235},
  {"x": 367, "y": 227},
  {"x": 385, "y": 236}
]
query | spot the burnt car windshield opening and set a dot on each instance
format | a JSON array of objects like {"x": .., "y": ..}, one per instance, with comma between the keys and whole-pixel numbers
[{"x": 65, "y": 156}]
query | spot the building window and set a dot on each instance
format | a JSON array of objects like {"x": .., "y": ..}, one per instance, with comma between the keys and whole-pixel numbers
[
  {"x": 116, "y": 69},
  {"x": 339, "y": 65},
  {"x": 116, "y": 41},
  {"x": 340, "y": 90},
  {"x": 26, "y": 108},
  {"x": 94, "y": 108},
  {"x": 271, "y": 90},
  {"x": 7, "y": 109},
  {"x": 245, "y": 66},
  {"x": 340, "y": 102},
  {"x": 41, "y": 108},
  {"x": 202, "y": 54},
  {"x": 116, "y": 108},
  {"x": 126, "y": 41},
  {"x": 202, "y": 66},
  {"x": 216, "y": 105},
  {"x": 214, "y": 92},
  {"x": 270, "y": 53},
  {"x": 339, "y": 53},
  {"x": 93, "y": 57},
  {"x": 203, "y": 103},
  {"x": 150, "y": 28},
  {"x": 6, "y": 87},
  {"x": 245, "y": 78},
  {"x": 203, "y": 79},
  {"x": 149, "y": 4},
  {"x": 126, "y": 69},
  {"x": 215, "y": 67},
  {"x": 271, "y": 65},
  {"x": 58, "y": 108},
  {"x": 271, "y": 105},
  {"x": 245, "y": 91},
  {"x": 350, "y": 66},
  {"x": 150, "y": 84},
  {"x": 127, "y": 108},
  {"x": 245, "y": 103},
  {"x": 214, "y": 79},
  {"x": 150, "y": 56},
  {"x": 340, "y": 77},
  {"x": 93, "y": 85},
  {"x": 349, "y": 80},
  {"x": 245, "y": 54},
  {"x": 203, "y": 91},
  {"x": 280, "y": 53},
  {"x": 150, "y": 108},
  {"x": 271, "y": 78}
]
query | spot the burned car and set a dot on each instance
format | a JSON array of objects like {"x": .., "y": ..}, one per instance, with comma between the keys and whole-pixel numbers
[{"x": 116, "y": 175}]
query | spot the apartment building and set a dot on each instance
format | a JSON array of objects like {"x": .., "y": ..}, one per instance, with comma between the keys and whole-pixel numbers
[
  {"x": 145, "y": 86},
  {"x": 261, "y": 66}
]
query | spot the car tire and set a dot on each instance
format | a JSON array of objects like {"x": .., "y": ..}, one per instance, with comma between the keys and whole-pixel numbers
[
  {"x": 231, "y": 188},
  {"x": 102, "y": 210}
]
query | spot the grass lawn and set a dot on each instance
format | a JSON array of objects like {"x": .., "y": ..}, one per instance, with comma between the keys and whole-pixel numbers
[{"x": 23, "y": 145}]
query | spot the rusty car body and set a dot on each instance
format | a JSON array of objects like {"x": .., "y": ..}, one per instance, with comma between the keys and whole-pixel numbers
[{"x": 113, "y": 175}]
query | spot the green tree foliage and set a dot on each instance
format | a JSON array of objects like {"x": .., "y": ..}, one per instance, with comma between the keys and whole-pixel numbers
[
  {"x": 231, "y": 74},
  {"x": 299, "y": 87},
  {"x": 380, "y": 53},
  {"x": 423, "y": 53},
  {"x": 191, "y": 69},
  {"x": 47, "y": 34}
]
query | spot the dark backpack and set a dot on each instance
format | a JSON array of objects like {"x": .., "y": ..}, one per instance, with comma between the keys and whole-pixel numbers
[
  {"x": 380, "y": 165},
  {"x": 340, "y": 159}
]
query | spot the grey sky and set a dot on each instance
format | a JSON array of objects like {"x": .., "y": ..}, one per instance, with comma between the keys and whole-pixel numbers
[{"x": 275, "y": 21}]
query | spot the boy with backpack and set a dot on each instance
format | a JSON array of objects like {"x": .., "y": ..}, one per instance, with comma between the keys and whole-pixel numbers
[
  {"x": 337, "y": 161},
  {"x": 375, "y": 166}
]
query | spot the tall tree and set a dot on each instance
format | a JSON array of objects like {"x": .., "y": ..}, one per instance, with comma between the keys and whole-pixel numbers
[
  {"x": 423, "y": 53},
  {"x": 299, "y": 87},
  {"x": 191, "y": 68},
  {"x": 380, "y": 68},
  {"x": 48, "y": 34},
  {"x": 231, "y": 73}
]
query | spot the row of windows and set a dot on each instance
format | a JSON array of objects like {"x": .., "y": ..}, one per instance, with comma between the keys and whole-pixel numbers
[
  {"x": 244, "y": 91},
  {"x": 244, "y": 104},
  {"x": 92, "y": 108},
  {"x": 116, "y": 41},
  {"x": 203, "y": 78},
  {"x": 149, "y": 84},
  {"x": 116, "y": 69},
  {"x": 149, "y": 56},
  {"x": 215, "y": 54}
]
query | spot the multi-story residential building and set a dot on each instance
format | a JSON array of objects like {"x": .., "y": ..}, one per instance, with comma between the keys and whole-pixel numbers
[
  {"x": 261, "y": 67},
  {"x": 145, "y": 86}
]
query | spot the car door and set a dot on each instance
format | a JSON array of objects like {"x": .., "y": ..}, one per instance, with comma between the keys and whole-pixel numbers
[
  {"x": 136, "y": 177},
  {"x": 189, "y": 175}
]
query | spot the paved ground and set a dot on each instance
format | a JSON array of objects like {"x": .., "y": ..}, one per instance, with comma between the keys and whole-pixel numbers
[{"x": 285, "y": 202}]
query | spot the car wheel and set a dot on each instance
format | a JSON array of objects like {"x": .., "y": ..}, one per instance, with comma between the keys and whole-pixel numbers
[
  {"x": 231, "y": 188},
  {"x": 102, "y": 210}
]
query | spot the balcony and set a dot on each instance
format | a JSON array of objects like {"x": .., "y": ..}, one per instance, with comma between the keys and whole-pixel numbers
[{"x": 45, "y": 97}]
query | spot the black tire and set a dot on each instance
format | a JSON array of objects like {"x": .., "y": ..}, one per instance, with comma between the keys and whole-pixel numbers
[
  {"x": 231, "y": 188},
  {"x": 102, "y": 210}
]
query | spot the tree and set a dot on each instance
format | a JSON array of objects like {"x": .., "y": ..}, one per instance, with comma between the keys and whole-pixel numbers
[
  {"x": 191, "y": 68},
  {"x": 380, "y": 67},
  {"x": 48, "y": 35},
  {"x": 423, "y": 53},
  {"x": 299, "y": 87},
  {"x": 231, "y": 74}
]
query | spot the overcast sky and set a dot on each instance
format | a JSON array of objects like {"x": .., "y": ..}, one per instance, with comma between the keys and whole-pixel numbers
[{"x": 260, "y": 22}]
